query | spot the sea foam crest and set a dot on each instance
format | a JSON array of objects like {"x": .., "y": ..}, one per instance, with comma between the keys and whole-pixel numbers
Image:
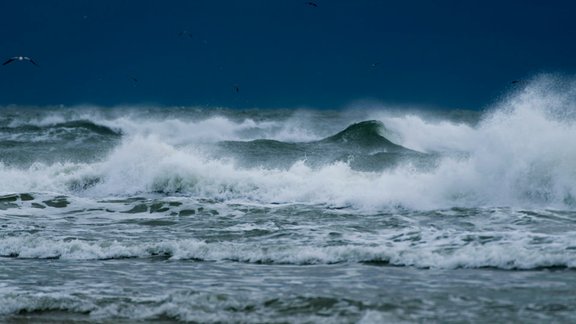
[
  {"x": 435, "y": 249},
  {"x": 518, "y": 155}
]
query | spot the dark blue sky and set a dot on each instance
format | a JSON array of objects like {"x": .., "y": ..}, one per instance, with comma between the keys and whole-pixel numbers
[{"x": 280, "y": 53}]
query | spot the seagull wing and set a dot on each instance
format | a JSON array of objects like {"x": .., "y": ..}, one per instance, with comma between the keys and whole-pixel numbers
[
  {"x": 8, "y": 61},
  {"x": 32, "y": 61}
]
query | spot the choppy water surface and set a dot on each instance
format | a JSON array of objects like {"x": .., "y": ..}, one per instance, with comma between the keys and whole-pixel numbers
[{"x": 215, "y": 215}]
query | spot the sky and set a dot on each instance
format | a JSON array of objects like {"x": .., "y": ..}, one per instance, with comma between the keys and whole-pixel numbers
[{"x": 280, "y": 53}]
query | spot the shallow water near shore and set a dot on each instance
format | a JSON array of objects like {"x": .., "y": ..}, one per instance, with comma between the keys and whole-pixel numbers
[{"x": 165, "y": 291}]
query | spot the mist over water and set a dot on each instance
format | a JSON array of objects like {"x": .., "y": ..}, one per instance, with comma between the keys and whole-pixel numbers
[{"x": 270, "y": 197}]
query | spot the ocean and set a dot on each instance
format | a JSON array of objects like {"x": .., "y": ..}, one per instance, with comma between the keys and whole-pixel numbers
[{"x": 372, "y": 214}]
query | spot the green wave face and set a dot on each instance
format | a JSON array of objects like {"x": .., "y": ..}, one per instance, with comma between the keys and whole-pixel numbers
[{"x": 360, "y": 144}]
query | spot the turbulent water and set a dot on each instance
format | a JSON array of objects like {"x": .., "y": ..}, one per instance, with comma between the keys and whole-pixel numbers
[{"x": 368, "y": 215}]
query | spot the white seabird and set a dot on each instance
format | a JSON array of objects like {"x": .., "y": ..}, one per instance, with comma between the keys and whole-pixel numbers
[{"x": 20, "y": 58}]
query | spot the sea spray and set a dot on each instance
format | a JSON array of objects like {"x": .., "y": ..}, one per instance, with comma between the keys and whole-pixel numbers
[{"x": 515, "y": 156}]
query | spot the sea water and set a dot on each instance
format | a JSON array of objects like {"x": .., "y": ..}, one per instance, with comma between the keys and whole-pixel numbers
[{"x": 371, "y": 214}]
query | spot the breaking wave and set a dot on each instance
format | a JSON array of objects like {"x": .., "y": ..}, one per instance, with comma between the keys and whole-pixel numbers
[{"x": 516, "y": 155}]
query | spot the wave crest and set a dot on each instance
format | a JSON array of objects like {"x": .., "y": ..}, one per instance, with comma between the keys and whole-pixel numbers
[{"x": 464, "y": 250}]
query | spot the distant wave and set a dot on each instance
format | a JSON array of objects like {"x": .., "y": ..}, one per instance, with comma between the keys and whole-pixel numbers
[
  {"x": 365, "y": 135},
  {"x": 72, "y": 125},
  {"x": 360, "y": 145},
  {"x": 24, "y": 143},
  {"x": 93, "y": 127}
]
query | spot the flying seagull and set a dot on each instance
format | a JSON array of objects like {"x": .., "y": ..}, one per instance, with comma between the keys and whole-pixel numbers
[
  {"x": 185, "y": 33},
  {"x": 312, "y": 4},
  {"x": 515, "y": 81},
  {"x": 20, "y": 58}
]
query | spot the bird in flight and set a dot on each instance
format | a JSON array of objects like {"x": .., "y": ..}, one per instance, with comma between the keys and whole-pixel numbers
[
  {"x": 185, "y": 33},
  {"x": 20, "y": 58},
  {"x": 312, "y": 4}
]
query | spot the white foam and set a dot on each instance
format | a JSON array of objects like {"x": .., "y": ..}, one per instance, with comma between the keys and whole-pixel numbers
[
  {"x": 415, "y": 132},
  {"x": 434, "y": 248}
]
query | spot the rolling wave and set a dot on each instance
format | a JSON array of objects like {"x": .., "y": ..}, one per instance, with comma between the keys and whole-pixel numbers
[
  {"x": 433, "y": 250},
  {"x": 360, "y": 145}
]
